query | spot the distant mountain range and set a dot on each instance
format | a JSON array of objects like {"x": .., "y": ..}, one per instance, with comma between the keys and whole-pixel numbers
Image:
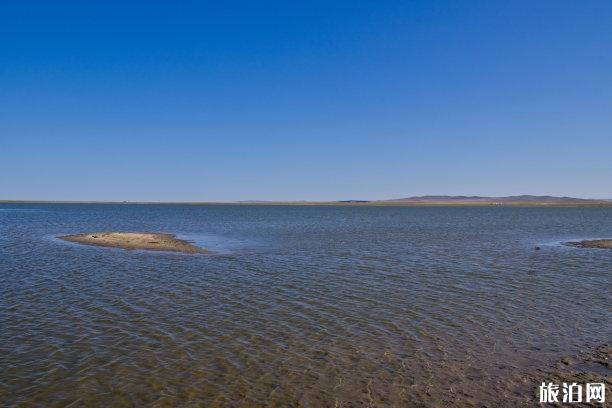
[
  {"x": 535, "y": 200},
  {"x": 527, "y": 200},
  {"x": 518, "y": 199}
]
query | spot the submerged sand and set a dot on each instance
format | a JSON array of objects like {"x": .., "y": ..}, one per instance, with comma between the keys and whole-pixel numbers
[
  {"x": 594, "y": 243},
  {"x": 136, "y": 240},
  {"x": 591, "y": 365}
]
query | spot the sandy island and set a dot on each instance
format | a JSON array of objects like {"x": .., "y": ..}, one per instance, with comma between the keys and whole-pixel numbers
[
  {"x": 136, "y": 240},
  {"x": 594, "y": 243}
]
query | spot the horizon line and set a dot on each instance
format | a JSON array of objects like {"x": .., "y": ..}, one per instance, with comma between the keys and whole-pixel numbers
[{"x": 422, "y": 199}]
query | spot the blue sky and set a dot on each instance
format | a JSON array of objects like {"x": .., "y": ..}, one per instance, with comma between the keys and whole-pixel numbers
[{"x": 304, "y": 100}]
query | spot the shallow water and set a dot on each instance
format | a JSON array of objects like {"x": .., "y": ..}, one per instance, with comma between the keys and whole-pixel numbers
[{"x": 303, "y": 306}]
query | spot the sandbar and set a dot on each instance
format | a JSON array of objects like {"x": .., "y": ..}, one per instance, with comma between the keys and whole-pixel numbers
[
  {"x": 593, "y": 243},
  {"x": 136, "y": 240}
]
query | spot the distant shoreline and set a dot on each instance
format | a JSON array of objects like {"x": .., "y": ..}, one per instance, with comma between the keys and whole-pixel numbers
[{"x": 381, "y": 203}]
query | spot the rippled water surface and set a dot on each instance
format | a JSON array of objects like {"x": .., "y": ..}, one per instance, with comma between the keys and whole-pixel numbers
[{"x": 301, "y": 306}]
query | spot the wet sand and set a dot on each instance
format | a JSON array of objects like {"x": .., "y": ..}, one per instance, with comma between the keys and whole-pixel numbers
[
  {"x": 136, "y": 240},
  {"x": 595, "y": 243}
]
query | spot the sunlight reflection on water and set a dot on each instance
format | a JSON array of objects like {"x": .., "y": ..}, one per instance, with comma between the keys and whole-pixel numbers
[{"x": 216, "y": 243}]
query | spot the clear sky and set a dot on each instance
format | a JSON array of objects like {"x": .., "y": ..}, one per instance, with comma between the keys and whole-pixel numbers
[{"x": 179, "y": 100}]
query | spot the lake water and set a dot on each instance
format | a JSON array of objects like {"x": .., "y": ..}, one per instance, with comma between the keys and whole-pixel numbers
[{"x": 302, "y": 306}]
